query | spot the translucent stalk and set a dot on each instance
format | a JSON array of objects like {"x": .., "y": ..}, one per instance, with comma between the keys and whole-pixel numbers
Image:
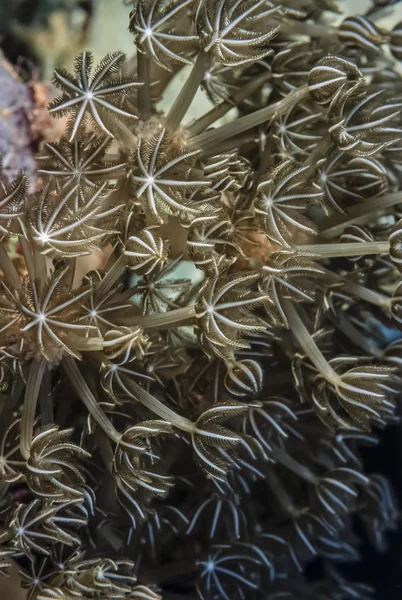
[
  {"x": 4, "y": 487},
  {"x": 348, "y": 249},
  {"x": 365, "y": 343},
  {"x": 10, "y": 272},
  {"x": 113, "y": 540},
  {"x": 123, "y": 133},
  {"x": 105, "y": 449},
  {"x": 333, "y": 226},
  {"x": 266, "y": 162},
  {"x": 81, "y": 344},
  {"x": 69, "y": 277},
  {"x": 3, "y": 401},
  {"x": 188, "y": 91},
  {"x": 45, "y": 400},
  {"x": 144, "y": 92},
  {"x": 157, "y": 407},
  {"x": 29, "y": 262},
  {"x": 372, "y": 10},
  {"x": 359, "y": 291},
  {"x": 301, "y": 333},
  {"x": 219, "y": 111},
  {"x": 32, "y": 389},
  {"x": 79, "y": 384},
  {"x": 283, "y": 497},
  {"x": 113, "y": 274},
  {"x": 209, "y": 139},
  {"x": 308, "y": 29},
  {"x": 282, "y": 457},
  {"x": 316, "y": 156},
  {"x": 157, "y": 321},
  {"x": 231, "y": 143},
  {"x": 371, "y": 296},
  {"x": 40, "y": 265}
]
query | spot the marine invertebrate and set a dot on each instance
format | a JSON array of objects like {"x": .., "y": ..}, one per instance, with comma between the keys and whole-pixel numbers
[{"x": 207, "y": 429}]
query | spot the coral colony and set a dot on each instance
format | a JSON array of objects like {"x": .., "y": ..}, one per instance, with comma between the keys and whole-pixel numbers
[{"x": 164, "y": 437}]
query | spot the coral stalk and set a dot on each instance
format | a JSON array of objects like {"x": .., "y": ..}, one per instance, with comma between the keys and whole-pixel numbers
[
  {"x": 347, "y": 249},
  {"x": 207, "y": 141},
  {"x": 79, "y": 384},
  {"x": 188, "y": 91},
  {"x": 32, "y": 390},
  {"x": 219, "y": 111}
]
